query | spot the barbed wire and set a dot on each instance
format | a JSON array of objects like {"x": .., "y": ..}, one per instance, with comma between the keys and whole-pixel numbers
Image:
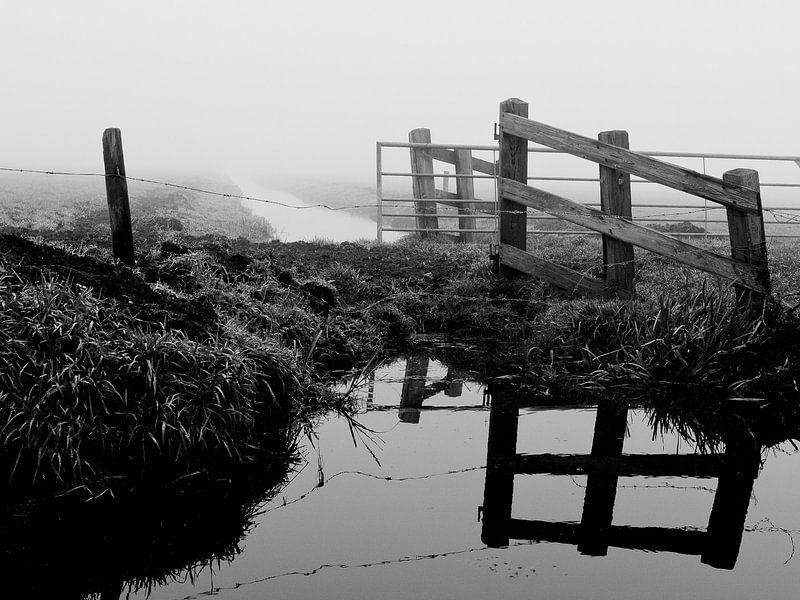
[
  {"x": 666, "y": 485},
  {"x": 392, "y": 478},
  {"x": 764, "y": 525},
  {"x": 463, "y": 211},
  {"x": 583, "y": 276},
  {"x": 191, "y": 189},
  {"x": 214, "y": 590}
]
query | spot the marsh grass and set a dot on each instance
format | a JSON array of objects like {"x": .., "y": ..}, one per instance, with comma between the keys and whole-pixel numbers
[
  {"x": 89, "y": 394},
  {"x": 287, "y": 315},
  {"x": 699, "y": 342}
]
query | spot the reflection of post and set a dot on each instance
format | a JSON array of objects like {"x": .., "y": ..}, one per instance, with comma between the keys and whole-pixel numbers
[
  {"x": 501, "y": 450},
  {"x": 734, "y": 487},
  {"x": 455, "y": 386},
  {"x": 601, "y": 488},
  {"x": 112, "y": 591},
  {"x": 371, "y": 389},
  {"x": 413, "y": 388}
]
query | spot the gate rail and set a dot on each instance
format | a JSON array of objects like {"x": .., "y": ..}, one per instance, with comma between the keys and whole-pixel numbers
[
  {"x": 782, "y": 219},
  {"x": 738, "y": 191}
]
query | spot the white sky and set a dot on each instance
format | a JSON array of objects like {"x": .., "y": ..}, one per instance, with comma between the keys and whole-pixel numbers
[{"x": 294, "y": 86}]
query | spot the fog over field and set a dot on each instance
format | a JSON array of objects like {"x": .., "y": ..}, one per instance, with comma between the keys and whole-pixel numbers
[{"x": 307, "y": 88}]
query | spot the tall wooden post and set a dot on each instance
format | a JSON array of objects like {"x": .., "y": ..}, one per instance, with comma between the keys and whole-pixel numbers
[
  {"x": 513, "y": 165},
  {"x": 615, "y": 199},
  {"x": 465, "y": 188},
  {"x": 119, "y": 210},
  {"x": 748, "y": 240},
  {"x": 424, "y": 187}
]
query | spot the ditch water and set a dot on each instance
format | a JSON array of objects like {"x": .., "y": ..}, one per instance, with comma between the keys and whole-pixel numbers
[
  {"x": 429, "y": 519},
  {"x": 294, "y": 222}
]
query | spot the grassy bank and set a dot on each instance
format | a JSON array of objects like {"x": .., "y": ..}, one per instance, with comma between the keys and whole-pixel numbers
[{"x": 112, "y": 376}]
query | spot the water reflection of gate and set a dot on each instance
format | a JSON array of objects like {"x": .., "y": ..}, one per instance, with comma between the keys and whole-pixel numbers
[
  {"x": 417, "y": 389},
  {"x": 718, "y": 546}
]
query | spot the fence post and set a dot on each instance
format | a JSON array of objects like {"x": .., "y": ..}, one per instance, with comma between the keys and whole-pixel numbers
[
  {"x": 513, "y": 165},
  {"x": 424, "y": 187},
  {"x": 465, "y": 189},
  {"x": 119, "y": 211},
  {"x": 748, "y": 240},
  {"x": 615, "y": 199}
]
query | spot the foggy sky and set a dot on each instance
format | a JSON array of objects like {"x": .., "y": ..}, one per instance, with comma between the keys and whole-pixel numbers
[{"x": 310, "y": 86}]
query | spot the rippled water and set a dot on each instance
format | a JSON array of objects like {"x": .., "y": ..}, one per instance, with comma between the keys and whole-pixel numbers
[{"x": 422, "y": 522}]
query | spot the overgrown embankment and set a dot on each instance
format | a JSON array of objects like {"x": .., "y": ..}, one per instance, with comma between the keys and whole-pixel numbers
[
  {"x": 184, "y": 362},
  {"x": 105, "y": 376}
]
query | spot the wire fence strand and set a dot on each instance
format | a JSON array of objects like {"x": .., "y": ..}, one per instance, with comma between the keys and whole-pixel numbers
[{"x": 779, "y": 216}]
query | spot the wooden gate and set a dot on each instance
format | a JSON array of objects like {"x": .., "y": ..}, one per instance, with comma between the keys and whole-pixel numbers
[{"x": 738, "y": 191}]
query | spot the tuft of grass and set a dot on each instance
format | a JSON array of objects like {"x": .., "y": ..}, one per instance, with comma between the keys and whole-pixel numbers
[
  {"x": 90, "y": 395},
  {"x": 350, "y": 285},
  {"x": 700, "y": 343}
]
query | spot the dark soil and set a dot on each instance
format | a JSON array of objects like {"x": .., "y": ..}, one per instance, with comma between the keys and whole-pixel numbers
[
  {"x": 408, "y": 263},
  {"x": 33, "y": 261}
]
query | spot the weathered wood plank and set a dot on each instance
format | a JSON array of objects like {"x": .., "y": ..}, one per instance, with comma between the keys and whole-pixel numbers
[
  {"x": 648, "y": 465},
  {"x": 465, "y": 189},
  {"x": 746, "y": 231},
  {"x": 615, "y": 199},
  {"x": 424, "y": 187},
  {"x": 638, "y": 235},
  {"x": 674, "y": 176},
  {"x": 556, "y": 275},
  {"x": 449, "y": 157}
]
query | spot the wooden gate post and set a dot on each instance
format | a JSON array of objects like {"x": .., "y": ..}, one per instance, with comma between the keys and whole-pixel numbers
[
  {"x": 615, "y": 199},
  {"x": 119, "y": 211},
  {"x": 465, "y": 188},
  {"x": 424, "y": 187},
  {"x": 513, "y": 165},
  {"x": 748, "y": 240}
]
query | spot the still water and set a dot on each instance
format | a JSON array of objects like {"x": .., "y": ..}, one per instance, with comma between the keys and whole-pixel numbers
[
  {"x": 294, "y": 221},
  {"x": 425, "y": 518}
]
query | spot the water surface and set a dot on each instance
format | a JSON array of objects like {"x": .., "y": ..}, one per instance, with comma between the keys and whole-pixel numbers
[
  {"x": 423, "y": 522},
  {"x": 294, "y": 223}
]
